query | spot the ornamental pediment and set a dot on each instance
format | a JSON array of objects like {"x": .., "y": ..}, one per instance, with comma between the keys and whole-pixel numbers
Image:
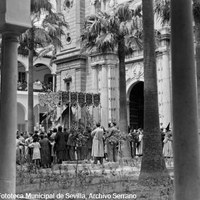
[{"x": 135, "y": 71}]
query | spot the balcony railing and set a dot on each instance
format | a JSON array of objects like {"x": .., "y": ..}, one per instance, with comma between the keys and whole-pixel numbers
[{"x": 37, "y": 86}]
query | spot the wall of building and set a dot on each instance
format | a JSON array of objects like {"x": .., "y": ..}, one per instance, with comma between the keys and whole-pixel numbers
[{"x": 100, "y": 74}]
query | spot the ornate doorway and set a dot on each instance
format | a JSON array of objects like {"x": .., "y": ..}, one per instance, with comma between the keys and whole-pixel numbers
[{"x": 136, "y": 106}]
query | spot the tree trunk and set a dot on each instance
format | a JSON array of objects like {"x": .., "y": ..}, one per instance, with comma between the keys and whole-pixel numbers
[
  {"x": 197, "y": 39},
  {"x": 30, "y": 93},
  {"x": 184, "y": 101},
  {"x": 153, "y": 169},
  {"x": 123, "y": 123}
]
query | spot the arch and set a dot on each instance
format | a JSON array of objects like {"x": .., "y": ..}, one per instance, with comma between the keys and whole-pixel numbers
[
  {"x": 135, "y": 109},
  {"x": 130, "y": 84},
  {"x": 43, "y": 61},
  {"x": 21, "y": 114},
  {"x": 40, "y": 71},
  {"x": 23, "y": 61}
]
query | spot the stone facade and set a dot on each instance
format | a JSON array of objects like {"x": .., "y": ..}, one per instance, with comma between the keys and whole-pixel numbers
[{"x": 98, "y": 73}]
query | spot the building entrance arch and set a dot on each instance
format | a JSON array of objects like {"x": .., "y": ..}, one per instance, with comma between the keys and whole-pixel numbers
[
  {"x": 136, "y": 105},
  {"x": 21, "y": 123}
]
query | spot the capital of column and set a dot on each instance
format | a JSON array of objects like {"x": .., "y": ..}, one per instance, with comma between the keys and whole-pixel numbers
[
  {"x": 10, "y": 36},
  {"x": 15, "y": 15}
]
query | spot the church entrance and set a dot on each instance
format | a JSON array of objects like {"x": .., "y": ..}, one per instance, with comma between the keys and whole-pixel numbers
[{"x": 136, "y": 106}]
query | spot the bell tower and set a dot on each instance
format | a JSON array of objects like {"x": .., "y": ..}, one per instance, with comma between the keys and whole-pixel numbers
[{"x": 70, "y": 61}]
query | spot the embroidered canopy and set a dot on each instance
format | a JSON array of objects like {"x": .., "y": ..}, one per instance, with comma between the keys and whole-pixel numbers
[{"x": 54, "y": 99}]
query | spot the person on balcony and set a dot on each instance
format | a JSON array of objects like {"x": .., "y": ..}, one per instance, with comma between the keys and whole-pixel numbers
[{"x": 37, "y": 85}]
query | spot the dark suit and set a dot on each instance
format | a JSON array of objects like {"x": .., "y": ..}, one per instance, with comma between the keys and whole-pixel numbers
[{"x": 60, "y": 146}]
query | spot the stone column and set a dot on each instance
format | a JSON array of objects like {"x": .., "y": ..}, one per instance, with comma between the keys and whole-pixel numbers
[
  {"x": 184, "y": 99},
  {"x": 110, "y": 96},
  {"x": 54, "y": 83},
  {"x": 95, "y": 89},
  {"x": 27, "y": 77},
  {"x": 166, "y": 77},
  {"x": 8, "y": 114},
  {"x": 104, "y": 96},
  {"x": 128, "y": 112}
]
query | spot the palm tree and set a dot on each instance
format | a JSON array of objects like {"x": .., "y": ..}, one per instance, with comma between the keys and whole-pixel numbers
[
  {"x": 115, "y": 32},
  {"x": 162, "y": 8},
  {"x": 39, "y": 35},
  {"x": 153, "y": 169}
]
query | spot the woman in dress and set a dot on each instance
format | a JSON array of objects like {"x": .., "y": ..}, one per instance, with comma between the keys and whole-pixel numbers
[
  {"x": 139, "y": 149},
  {"x": 167, "y": 148}
]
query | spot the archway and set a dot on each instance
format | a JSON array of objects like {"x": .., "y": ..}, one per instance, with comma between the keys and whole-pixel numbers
[
  {"x": 136, "y": 106},
  {"x": 21, "y": 123}
]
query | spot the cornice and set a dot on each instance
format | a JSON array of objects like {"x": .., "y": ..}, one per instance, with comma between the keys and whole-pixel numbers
[{"x": 71, "y": 58}]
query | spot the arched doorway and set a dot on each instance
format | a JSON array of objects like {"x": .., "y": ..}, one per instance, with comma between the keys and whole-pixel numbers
[
  {"x": 21, "y": 124},
  {"x": 136, "y": 106}
]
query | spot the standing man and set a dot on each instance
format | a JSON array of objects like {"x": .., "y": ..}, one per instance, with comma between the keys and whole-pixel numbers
[
  {"x": 97, "y": 144},
  {"x": 60, "y": 145},
  {"x": 66, "y": 135},
  {"x": 112, "y": 143}
]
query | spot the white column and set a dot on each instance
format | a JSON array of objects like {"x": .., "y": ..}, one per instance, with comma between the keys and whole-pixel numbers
[
  {"x": 166, "y": 95},
  {"x": 184, "y": 100},
  {"x": 128, "y": 112},
  {"x": 104, "y": 96},
  {"x": 8, "y": 114},
  {"x": 54, "y": 83},
  {"x": 110, "y": 96}
]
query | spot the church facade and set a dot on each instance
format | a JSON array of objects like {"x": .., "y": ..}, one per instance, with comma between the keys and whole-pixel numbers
[{"x": 98, "y": 73}]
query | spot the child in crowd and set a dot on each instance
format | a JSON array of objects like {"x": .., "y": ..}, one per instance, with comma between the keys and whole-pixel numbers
[{"x": 36, "y": 151}]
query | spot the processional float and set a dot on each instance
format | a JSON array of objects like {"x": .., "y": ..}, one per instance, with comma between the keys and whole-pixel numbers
[{"x": 54, "y": 100}]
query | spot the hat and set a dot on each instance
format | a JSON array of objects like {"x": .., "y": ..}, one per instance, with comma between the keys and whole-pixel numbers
[
  {"x": 168, "y": 127},
  {"x": 98, "y": 124}
]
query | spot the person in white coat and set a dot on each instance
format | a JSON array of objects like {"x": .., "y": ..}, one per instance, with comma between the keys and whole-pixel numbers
[{"x": 97, "y": 144}]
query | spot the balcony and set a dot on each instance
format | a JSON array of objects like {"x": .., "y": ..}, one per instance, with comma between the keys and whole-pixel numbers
[{"x": 37, "y": 86}]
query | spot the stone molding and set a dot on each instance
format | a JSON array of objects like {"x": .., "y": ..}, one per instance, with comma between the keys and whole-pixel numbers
[{"x": 71, "y": 58}]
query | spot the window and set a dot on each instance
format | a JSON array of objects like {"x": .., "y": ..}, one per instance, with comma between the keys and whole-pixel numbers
[
  {"x": 21, "y": 76},
  {"x": 67, "y": 86}
]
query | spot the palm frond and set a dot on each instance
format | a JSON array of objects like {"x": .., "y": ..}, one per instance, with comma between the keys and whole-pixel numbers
[
  {"x": 162, "y": 8},
  {"x": 39, "y": 6},
  {"x": 103, "y": 30},
  {"x": 196, "y": 10},
  {"x": 41, "y": 37}
]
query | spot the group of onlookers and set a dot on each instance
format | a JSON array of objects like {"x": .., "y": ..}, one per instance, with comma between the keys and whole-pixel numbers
[
  {"x": 37, "y": 86},
  {"x": 56, "y": 146},
  {"x": 45, "y": 149},
  {"x": 105, "y": 143},
  {"x": 136, "y": 143}
]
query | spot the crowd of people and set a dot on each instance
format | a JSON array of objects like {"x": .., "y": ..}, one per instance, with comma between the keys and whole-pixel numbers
[
  {"x": 38, "y": 86},
  {"x": 58, "y": 145},
  {"x": 136, "y": 143},
  {"x": 46, "y": 149}
]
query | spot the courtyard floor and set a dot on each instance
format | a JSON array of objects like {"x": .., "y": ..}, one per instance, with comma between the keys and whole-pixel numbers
[{"x": 83, "y": 180}]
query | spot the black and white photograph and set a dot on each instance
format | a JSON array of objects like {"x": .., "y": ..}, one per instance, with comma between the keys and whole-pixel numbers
[{"x": 100, "y": 99}]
